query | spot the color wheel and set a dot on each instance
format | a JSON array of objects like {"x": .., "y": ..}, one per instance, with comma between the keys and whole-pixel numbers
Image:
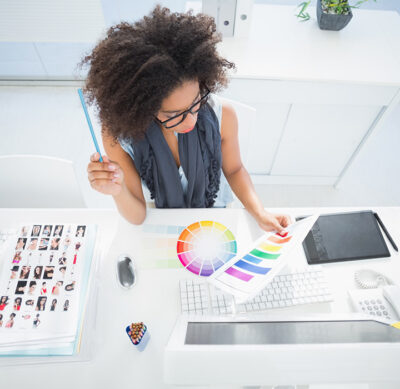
[{"x": 205, "y": 246}]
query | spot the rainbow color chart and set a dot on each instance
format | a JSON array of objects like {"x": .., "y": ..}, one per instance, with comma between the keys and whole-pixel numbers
[
  {"x": 205, "y": 246},
  {"x": 245, "y": 275}
]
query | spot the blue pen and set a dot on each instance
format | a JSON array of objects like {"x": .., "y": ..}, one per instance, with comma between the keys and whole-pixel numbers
[{"x": 89, "y": 122}]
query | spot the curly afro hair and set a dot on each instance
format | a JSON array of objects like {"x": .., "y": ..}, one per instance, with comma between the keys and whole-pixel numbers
[{"x": 138, "y": 65}]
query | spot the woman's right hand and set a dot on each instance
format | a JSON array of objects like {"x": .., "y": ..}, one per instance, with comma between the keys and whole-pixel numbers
[{"x": 106, "y": 177}]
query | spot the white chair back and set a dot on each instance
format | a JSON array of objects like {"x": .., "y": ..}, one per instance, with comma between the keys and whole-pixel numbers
[
  {"x": 35, "y": 181},
  {"x": 246, "y": 121}
]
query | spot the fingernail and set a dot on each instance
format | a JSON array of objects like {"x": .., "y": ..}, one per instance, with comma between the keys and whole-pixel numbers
[
  {"x": 113, "y": 180},
  {"x": 111, "y": 167},
  {"x": 116, "y": 175}
]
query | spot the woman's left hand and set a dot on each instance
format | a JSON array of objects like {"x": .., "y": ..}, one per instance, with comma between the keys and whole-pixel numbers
[{"x": 273, "y": 222}]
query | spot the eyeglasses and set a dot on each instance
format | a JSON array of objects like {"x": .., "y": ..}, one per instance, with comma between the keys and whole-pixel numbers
[{"x": 178, "y": 119}]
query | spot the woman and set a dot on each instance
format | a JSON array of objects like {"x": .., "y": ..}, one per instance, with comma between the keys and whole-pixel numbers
[
  {"x": 24, "y": 231},
  {"x": 44, "y": 242},
  {"x": 20, "y": 244},
  {"x": 41, "y": 304},
  {"x": 80, "y": 232},
  {"x": 56, "y": 288},
  {"x": 33, "y": 244},
  {"x": 38, "y": 272},
  {"x": 3, "y": 302},
  {"x": 17, "y": 257},
  {"x": 14, "y": 272},
  {"x": 54, "y": 243},
  {"x": 70, "y": 286},
  {"x": 36, "y": 321},
  {"x": 44, "y": 288},
  {"x": 151, "y": 82},
  {"x": 17, "y": 303},
  {"x": 36, "y": 230},
  {"x": 25, "y": 272},
  {"x": 66, "y": 243},
  {"x": 63, "y": 259},
  {"x": 63, "y": 270},
  {"x": 46, "y": 231},
  {"x": 32, "y": 288},
  {"x": 20, "y": 289},
  {"x": 53, "y": 305},
  {"x": 10, "y": 322},
  {"x": 58, "y": 230},
  {"x": 48, "y": 272}
]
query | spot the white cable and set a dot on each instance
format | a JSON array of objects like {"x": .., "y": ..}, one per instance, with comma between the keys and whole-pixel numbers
[{"x": 370, "y": 279}]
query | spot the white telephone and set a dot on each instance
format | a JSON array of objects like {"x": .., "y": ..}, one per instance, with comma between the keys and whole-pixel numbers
[{"x": 380, "y": 299}]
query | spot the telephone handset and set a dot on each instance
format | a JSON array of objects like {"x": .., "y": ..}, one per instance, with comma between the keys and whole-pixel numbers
[
  {"x": 382, "y": 303},
  {"x": 392, "y": 294}
]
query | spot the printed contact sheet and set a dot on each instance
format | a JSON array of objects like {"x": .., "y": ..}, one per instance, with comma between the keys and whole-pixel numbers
[{"x": 41, "y": 281}]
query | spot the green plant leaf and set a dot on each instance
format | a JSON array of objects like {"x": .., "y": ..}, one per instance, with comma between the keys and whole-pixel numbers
[{"x": 302, "y": 14}]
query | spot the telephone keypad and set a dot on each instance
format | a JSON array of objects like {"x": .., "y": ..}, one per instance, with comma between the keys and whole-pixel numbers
[{"x": 372, "y": 307}]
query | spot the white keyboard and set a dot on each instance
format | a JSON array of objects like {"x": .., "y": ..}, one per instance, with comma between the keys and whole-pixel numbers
[{"x": 302, "y": 286}]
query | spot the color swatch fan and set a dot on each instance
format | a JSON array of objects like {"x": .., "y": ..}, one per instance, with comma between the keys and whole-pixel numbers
[
  {"x": 203, "y": 247},
  {"x": 247, "y": 274}
]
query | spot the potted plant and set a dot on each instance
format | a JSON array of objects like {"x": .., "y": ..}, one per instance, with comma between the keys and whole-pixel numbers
[{"x": 331, "y": 14}]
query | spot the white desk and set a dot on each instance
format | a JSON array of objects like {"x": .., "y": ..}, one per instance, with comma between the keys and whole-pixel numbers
[
  {"x": 319, "y": 95},
  {"x": 154, "y": 300}
]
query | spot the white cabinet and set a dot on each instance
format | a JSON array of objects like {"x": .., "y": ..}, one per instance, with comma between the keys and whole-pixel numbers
[{"x": 319, "y": 95}]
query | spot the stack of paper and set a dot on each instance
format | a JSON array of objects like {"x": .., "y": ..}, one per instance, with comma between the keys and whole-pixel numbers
[{"x": 44, "y": 284}]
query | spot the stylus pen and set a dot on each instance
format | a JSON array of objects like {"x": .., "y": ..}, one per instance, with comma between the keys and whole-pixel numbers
[
  {"x": 385, "y": 231},
  {"x": 89, "y": 123}
]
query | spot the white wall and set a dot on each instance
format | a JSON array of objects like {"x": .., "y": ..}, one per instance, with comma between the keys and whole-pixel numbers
[{"x": 50, "y": 121}]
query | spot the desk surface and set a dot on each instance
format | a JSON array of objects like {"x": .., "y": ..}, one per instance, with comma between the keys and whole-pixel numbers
[
  {"x": 280, "y": 47},
  {"x": 154, "y": 300}
]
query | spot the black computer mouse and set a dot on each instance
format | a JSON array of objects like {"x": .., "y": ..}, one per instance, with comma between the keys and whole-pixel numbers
[{"x": 126, "y": 272}]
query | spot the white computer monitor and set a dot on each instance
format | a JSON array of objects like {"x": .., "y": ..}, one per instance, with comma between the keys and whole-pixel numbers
[{"x": 277, "y": 350}]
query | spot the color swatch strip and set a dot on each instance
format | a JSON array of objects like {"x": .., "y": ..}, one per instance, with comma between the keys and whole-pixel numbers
[
  {"x": 252, "y": 268},
  {"x": 238, "y": 274},
  {"x": 158, "y": 246},
  {"x": 269, "y": 247},
  {"x": 275, "y": 239},
  {"x": 251, "y": 258},
  {"x": 264, "y": 255}
]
